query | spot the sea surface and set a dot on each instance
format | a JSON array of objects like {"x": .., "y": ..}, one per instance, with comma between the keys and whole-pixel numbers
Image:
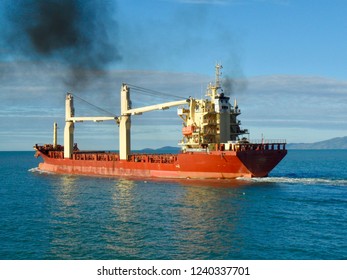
[{"x": 298, "y": 212}]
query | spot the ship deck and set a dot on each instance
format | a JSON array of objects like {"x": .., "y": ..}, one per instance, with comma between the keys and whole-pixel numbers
[{"x": 58, "y": 153}]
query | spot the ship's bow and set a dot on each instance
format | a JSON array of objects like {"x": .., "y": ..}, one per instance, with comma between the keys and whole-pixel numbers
[{"x": 261, "y": 162}]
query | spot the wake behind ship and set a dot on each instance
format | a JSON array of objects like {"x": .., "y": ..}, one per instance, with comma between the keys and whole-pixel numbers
[{"x": 213, "y": 144}]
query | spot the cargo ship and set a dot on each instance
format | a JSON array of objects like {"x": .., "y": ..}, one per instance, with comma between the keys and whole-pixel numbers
[{"x": 213, "y": 144}]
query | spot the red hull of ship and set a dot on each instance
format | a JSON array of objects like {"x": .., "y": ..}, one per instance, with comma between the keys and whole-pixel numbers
[{"x": 217, "y": 164}]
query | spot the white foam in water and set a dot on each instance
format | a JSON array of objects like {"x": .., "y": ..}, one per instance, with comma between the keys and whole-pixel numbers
[
  {"x": 305, "y": 181},
  {"x": 37, "y": 170}
]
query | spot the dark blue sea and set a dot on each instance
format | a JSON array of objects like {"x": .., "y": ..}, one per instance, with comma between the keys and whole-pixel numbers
[{"x": 299, "y": 212}]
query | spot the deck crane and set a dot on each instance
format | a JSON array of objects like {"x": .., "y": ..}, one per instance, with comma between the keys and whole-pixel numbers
[
  {"x": 124, "y": 121},
  {"x": 125, "y": 118}
]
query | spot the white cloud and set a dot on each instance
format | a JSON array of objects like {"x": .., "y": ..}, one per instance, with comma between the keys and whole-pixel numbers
[
  {"x": 293, "y": 107},
  {"x": 313, "y": 107}
]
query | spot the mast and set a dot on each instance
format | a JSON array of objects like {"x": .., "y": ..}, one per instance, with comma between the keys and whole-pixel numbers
[
  {"x": 125, "y": 124},
  {"x": 69, "y": 126},
  {"x": 55, "y": 134},
  {"x": 212, "y": 90},
  {"x": 218, "y": 75}
]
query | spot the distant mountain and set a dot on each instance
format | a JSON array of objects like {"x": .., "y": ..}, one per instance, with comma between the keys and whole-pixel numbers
[
  {"x": 334, "y": 143},
  {"x": 166, "y": 149},
  {"x": 330, "y": 144}
]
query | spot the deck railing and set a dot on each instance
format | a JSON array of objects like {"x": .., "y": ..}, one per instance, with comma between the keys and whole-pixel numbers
[
  {"x": 273, "y": 145},
  {"x": 254, "y": 145},
  {"x": 109, "y": 156},
  {"x": 268, "y": 141}
]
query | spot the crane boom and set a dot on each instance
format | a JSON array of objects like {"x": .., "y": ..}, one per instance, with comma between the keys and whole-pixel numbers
[
  {"x": 92, "y": 119},
  {"x": 162, "y": 106}
]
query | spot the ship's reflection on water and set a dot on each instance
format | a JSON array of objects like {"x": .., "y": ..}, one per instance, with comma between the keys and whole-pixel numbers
[
  {"x": 103, "y": 218},
  {"x": 65, "y": 212},
  {"x": 121, "y": 237}
]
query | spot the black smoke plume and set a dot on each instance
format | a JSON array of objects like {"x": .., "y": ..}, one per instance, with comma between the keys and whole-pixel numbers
[
  {"x": 232, "y": 86},
  {"x": 81, "y": 34},
  {"x": 228, "y": 84}
]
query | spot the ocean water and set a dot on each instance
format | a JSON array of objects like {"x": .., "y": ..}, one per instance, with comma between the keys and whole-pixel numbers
[{"x": 299, "y": 212}]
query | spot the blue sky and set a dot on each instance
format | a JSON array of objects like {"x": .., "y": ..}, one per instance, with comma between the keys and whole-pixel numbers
[{"x": 288, "y": 58}]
